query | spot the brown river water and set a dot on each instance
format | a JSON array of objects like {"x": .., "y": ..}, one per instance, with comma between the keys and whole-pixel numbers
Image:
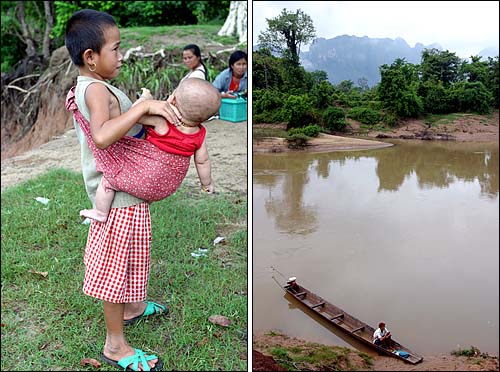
[{"x": 407, "y": 234}]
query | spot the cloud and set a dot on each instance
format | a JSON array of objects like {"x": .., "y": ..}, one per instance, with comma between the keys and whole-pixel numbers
[{"x": 463, "y": 27}]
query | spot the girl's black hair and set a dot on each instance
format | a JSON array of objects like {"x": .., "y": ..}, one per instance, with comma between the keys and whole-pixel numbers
[
  {"x": 197, "y": 52},
  {"x": 235, "y": 57},
  {"x": 85, "y": 30}
]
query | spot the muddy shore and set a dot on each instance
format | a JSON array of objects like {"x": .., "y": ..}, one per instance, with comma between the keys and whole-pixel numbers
[
  {"x": 465, "y": 128},
  {"x": 263, "y": 344}
]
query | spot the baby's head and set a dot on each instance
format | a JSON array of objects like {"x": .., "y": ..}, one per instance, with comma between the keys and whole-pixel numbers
[
  {"x": 86, "y": 30},
  {"x": 197, "y": 100}
]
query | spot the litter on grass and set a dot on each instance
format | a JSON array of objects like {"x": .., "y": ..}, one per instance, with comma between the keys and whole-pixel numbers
[
  {"x": 219, "y": 320},
  {"x": 44, "y": 201},
  {"x": 219, "y": 239},
  {"x": 200, "y": 252}
]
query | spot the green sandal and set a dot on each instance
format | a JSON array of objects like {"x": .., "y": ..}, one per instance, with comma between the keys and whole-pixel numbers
[
  {"x": 152, "y": 308},
  {"x": 139, "y": 356}
]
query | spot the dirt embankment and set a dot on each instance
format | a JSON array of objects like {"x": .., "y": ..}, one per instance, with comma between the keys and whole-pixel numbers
[
  {"x": 263, "y": 361},
  {"x": 464, "y": 128},
  {"x": 226, "y": 141}
]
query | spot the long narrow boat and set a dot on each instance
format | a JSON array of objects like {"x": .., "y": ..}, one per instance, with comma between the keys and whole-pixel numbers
[{"x": 347, "y": 323}]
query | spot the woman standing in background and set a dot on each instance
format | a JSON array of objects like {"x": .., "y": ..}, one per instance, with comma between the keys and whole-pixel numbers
[{"x": 191, "y": 57}]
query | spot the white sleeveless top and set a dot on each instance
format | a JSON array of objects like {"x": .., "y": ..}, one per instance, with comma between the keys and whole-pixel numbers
[{"x": 91, "y": 177}]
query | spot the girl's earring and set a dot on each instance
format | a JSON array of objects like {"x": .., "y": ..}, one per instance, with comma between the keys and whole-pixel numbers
[{"x": 95, "y": 67}]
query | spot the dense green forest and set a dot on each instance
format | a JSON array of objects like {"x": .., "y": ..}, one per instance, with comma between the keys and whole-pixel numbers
[
  {"x": 284, "y": 92},
  {"x": 31, "y": 30}
]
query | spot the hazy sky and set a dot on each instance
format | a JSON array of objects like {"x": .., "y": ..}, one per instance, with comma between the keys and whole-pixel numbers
[{"x": 462, "y": 27}]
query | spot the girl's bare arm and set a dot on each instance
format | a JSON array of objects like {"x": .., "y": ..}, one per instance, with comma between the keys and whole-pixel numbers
[{"x": 105, "y": 129}]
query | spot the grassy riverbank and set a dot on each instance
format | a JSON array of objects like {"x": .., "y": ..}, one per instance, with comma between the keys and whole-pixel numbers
[
  {"x": 279, "y": 352},
  {"x": 49, "y": 324}
]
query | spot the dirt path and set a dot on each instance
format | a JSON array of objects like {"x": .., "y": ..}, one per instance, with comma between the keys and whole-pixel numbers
[{"x": 227, "y": 144}]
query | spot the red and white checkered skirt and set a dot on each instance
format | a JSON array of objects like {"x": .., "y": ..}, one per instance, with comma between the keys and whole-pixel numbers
[{"x": 117, "y": 256}]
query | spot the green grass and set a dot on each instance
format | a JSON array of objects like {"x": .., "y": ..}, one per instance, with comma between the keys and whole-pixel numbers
[
  {"x": 365, "y": 128},
  {"x": 148, "y": 36},
  {"x": 472, "y": 352},
  {"x": 49, "y": 324},
  {"x": 261, "y": 132},
  {"x": 433, "y": 120},
  {"x": 317, "y": 357}
]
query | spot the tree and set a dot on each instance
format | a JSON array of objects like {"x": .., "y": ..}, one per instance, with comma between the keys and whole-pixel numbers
[
  {"x": 236, "y": 21},
  {"x": 322, "y": 94},
  {"x": 439, "y": 65},
  {"x": 266, "y": 70},
  {"x": 493, "y": 80},
  {"x": 24, "y": 20},
  {"x": 286, "y": 33},
  {"x": 398, "y": 88}
]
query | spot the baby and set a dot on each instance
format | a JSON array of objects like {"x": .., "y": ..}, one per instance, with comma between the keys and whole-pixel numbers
[{"x": 152, "y": 169}]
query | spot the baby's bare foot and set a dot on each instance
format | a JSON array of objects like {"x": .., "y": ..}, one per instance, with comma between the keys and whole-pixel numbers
[{"x": 94, "y": 214}]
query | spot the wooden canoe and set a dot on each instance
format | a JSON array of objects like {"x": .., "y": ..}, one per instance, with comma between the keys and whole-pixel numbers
[{"x": 347, "y": 323}]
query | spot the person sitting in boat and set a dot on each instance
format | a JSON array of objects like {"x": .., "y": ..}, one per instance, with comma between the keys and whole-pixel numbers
[
  {"x": 292, "y": 282},
  {"x": 382, "y": 336}
]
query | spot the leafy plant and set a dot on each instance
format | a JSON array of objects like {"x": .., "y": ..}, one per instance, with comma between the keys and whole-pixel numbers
[
  {"x": 296, "y": 110},
  {"x": 364, "y": 115},
  {"x": 472, "y": 352},
  {"x": 297, "y": 140},
  {"x": 334, "y": 119},
  {"x": 309, "y": 131}
]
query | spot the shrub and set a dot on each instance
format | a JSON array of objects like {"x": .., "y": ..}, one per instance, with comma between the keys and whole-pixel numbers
[
  {"x": 297, "y": 140},
  {"x": 309, "y": 131},
  {"x": 436, "y": 98},
  {"x": 364, "y": 115},
  {"x": 297, "y": 110},
  {"x": 389, "y": 118},
  {"x": 472, "y": 97},
  {"x": 266, "y": 100},
  {"x": 322, "y": 94},
  {"x": 334, "y": 119},
  {"x": 472, "y": 352},
  {"x": 312, "y": 130}
]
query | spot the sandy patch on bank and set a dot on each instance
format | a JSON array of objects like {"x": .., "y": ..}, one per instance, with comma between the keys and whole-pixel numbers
[{"x": 322, "y": 143}]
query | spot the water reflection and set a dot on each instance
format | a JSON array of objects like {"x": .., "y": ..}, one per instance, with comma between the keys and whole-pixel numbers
[
  {"x": 290, "y": 212},
  {"x": 435, "y": 165},
  {"x": 439, "y": 165}
]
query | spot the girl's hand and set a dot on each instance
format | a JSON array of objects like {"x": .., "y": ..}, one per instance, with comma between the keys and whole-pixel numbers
[{"x": 164, "y": 109}]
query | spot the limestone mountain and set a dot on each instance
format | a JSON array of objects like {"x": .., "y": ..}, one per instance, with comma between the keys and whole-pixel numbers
[{"x": 352, "y": 58}]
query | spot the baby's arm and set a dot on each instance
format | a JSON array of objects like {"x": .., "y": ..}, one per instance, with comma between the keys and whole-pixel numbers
[
  {"x": 204, "y": 168},
  {"x": 155, "y": 121},
  {"x": 105, "y": 129}
]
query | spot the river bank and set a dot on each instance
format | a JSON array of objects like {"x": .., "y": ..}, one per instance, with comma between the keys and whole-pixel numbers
[
  {"x": 460, "y": 127},
  {"x": 265, "y": 343}
]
